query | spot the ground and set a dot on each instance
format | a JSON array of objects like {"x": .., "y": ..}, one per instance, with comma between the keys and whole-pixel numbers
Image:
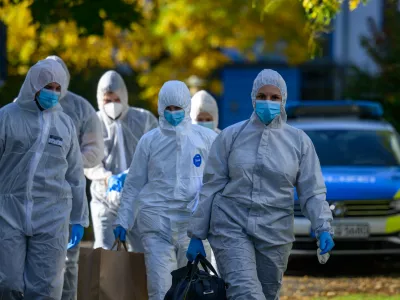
[{"x": 362, "y": 277}]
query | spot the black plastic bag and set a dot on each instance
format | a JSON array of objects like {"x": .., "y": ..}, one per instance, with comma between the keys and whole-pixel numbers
[{"x": 191, "y": 283}]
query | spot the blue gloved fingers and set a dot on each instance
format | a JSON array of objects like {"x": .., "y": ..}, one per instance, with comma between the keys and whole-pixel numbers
[
  {"x": 123, "y": 235},
  {"x": 325, "y": 242},
  {"x": 122, "y": 178},
  {"x": 81, "y": 236},
  {"x": 112, "y": 180},
  {"x": 72, "y": 243},
  {"x": 79, "y": 231},
  {"x": 195, "y": 247},
  {"x": 329, "y": 246},
  {"x": 115, "y": 233},
  {"x": 189, "y": 256},
  {"x": 120, "y": 233},
  {"x": 114, "y": 187},
  {"x": 114, "y": 184},
  {"x": 203, "y": 252},
  {"x": 76, "y": 235},
  {"x": 322, "y": 243}
]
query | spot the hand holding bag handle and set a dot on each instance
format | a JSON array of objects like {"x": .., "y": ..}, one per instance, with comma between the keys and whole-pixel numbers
[
  {"x": 192, "y": 273},
  {"x": 205, "y": 264},
  {"x": 118, "y": 243}
]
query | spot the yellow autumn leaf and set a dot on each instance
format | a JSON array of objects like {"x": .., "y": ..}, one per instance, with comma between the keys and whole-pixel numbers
[
  {"x": 353, "y": 4},
  {"x": 174, "y": 39}
]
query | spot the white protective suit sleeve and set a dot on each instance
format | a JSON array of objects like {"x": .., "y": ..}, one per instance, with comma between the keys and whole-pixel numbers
[
  {"x": 86, "y": 121},
  {"x": 97, "y": 173},
  {"x": 311, "y": 189},
  {"x": 216, "y": 176},
  {"x": 2, "y": 138},
  {"x": 134, "y": 182},
  {"x": 91, "y": 140},
  {"x": 76, "y": 179}
]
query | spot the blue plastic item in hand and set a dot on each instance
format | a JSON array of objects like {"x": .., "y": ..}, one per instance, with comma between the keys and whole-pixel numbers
[
  {"x": 120, "y": 233},
  {"x": 122, "y": 177},
  {"x": 116, "y": 182},
  {"x": 76, "y": 236},
  {"x": 195, "y": 248},
  {"x": 325, "y": 242}
]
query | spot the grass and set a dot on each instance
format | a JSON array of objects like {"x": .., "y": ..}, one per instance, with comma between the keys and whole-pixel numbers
[{"x": 362, "y": 297}]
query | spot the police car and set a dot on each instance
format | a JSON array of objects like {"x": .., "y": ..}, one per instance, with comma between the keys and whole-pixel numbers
[{"x": 359, "y": 154}]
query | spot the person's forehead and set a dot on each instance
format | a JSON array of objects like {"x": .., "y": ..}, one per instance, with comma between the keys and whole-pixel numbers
[
  {"x": 53, "y": 85},
  {"x": 110, "y": 95},
  {"x": 269, "y": 88},
  {"x": 204, "y": 113}
]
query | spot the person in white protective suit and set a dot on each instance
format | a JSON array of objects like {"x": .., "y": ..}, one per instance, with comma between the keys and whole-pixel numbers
[
  {"x": 246, "y": 203},
  {"x": 204, "y": 111},
  {"x": 122, "y": 128},
  {"x": 42, "y": 189},
  {"x": 90, "y": 137},
  {"x": 162, "y": 185}
]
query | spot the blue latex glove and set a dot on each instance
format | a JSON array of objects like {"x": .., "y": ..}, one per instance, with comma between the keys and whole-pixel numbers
[
  {"x": 76, "y": 236},
  {"x": 122, "y": 177},
  {"x": 120, "y": 233},
  {"x": 325, "y": 242},
  {"x": 116, "y": 182},
  {"x": 195, "y": 247}
]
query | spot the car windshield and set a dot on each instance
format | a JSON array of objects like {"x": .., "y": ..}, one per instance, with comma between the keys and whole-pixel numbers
[{"x": 356, "y": 147}]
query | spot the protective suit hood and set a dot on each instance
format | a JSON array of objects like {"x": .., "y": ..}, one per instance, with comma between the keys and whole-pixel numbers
[
  {"x": 174, "y": 93},
  {"x": 202, "y": 101},
  {"x": 41, "y": 74},
  {"x": 271, "y": 77},
  {"x": 68, "y": 76},
  {"x": 111, "y": 81}
]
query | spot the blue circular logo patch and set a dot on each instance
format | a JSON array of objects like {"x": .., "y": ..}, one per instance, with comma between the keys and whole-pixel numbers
[{"x": 197, "y": 160}]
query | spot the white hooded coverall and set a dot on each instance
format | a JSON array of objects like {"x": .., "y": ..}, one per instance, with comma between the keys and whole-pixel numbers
[
  {"x": 202, "y": 101},
  {"x": 42, "y": 189},
  {"x": 246, "y": 203},
  {"x": 90, "y": 138},
  {"x": 120, "y": 137},
  {"x": 165, "y": 176}
]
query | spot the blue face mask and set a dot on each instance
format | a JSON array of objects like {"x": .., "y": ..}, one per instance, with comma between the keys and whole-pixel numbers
[
  {"x": 267, "y": 110},
  {"x": 174, "y": 117},
  {"x": 47, "y": 98},
  {"x": 209, "y": 125}
]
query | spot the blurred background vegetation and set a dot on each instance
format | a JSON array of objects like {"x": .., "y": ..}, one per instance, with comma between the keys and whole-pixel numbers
[{"x": 151, "y": 41}]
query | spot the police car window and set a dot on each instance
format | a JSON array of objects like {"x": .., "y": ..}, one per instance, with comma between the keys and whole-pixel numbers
[{"x": 356, "y": 147}]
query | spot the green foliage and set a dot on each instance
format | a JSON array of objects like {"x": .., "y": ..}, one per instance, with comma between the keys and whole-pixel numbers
[{"x": 162, "y": 40}]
